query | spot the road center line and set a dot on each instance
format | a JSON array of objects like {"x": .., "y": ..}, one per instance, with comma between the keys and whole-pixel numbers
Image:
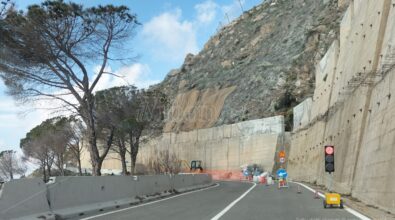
[
  {"x": 348, "y": 209},
  {"x": 149, "y": 203},
  {"x": 220, "y": 214}
]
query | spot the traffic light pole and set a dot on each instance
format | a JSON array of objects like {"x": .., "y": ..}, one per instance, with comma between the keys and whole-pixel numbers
[{"x": 330, "y": 182}]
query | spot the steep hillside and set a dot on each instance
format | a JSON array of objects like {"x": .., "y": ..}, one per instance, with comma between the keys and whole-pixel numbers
[{"x": 260, "y": 65}]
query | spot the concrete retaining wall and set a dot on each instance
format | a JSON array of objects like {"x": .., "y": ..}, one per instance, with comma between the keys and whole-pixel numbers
[
  {"x": 75, "y": 196},
  {"x": 221, "y": 149},
  {"x": 302, "y": 113},
  {"x": 24, "y": 199},
  {"x": 355, "y": 111}
]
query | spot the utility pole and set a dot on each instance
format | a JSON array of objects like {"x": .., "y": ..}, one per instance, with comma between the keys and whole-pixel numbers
[
  {"x": 227, "y": 16},
  {"x": 241, "y": 6},
  {"x": 219, "y": 27}
]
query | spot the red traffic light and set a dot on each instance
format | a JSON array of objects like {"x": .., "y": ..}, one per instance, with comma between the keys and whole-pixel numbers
[
  {"x": 329, "y": 158},
  {"x": 329, "y": 149}
]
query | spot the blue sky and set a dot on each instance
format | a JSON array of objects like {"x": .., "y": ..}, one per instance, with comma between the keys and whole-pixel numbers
[{"x": 170, "y": 29}]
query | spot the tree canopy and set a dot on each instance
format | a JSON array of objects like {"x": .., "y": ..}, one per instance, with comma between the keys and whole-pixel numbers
[
  {"x": 45, "y": 53},
  {"x": 50, "y": 143},
  {"x": 131, "y": 114}
]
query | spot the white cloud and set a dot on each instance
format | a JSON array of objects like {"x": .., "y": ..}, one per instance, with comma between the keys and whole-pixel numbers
[
  {"x": 7, "y": 106},
  {"x": 170, "y": 38},
  {"x": 14, "y": 125},
  {"x": 206, "y": 11},
  {"x": 134, "y": 74}
]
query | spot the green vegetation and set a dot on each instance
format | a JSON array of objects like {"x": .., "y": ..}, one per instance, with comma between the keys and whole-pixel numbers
[
  {"x": 286, "y": 101},
  {"x": 45, "y": 53}
]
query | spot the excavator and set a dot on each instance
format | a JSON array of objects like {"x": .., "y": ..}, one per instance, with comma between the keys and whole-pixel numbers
[{"x": 195, "y": 167}]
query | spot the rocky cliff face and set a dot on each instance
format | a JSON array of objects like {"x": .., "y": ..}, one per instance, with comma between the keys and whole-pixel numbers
[{"x": 260, "y": 65}]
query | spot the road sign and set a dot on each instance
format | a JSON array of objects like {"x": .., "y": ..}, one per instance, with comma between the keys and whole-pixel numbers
[
  {"x": 282, "y": 160},
  {"x": 281, "y": 154},
  {"x": 282, "y": 173}
]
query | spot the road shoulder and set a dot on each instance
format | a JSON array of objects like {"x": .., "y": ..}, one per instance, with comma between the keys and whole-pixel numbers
[{"x": 367, "y": 210}]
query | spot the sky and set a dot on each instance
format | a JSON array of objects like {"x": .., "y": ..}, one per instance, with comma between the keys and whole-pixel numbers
[{"x": 170, "y": 29}]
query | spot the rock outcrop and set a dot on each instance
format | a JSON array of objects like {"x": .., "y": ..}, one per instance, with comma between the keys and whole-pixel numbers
[{"x": 261, "y": 64}]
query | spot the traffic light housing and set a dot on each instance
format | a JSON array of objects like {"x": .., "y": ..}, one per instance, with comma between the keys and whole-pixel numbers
[{"x": 329, "y": 158}]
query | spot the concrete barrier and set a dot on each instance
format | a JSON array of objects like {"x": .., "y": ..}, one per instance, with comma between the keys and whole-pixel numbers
[
  {"x": 149, "y": 185},
  {"x": 24, "y": 199},
  {"x": 201, "y": 179},
  {"x": 186, "y": 182},
  {"x": 73, "y": 196},
  {"x": 70, "y": 197},
  {"x": 181, "y": 182}
]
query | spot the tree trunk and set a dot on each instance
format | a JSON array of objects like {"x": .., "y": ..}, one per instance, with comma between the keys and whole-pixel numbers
[
  {"x": 79, "y": 166},
  {"x": 11, "y": 168},
  {"x": 44, "y": 172},
  {"x": 122, "y": 155},
  {"x": 60, "y": 163},
  {"x": 76, "y": 150},
  {"x": 98, "y": 168},
  {"x": 92, "y": 146},
  {"x": 49, "y": 170},
  {"x": 134, "y": 149},
  {"x": 87, "y": 109},
  {"x": 94, "y": 152},
  {"x": 123, "y": 161},
  {"x": 11, "y": 175},
  {"x": 133, "y": 163}
]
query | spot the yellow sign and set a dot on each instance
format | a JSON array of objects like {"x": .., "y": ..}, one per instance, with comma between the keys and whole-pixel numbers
[{"x": 333, "y": 199}]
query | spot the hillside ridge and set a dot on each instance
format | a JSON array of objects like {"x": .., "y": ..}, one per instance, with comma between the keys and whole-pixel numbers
[{"x": 260, "y": 65}]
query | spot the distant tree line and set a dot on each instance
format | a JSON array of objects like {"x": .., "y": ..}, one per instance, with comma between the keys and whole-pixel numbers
[
  {"x": 125, "y": 117},
  {"x": 55, "y": 142},
  {"x": 11, "y": 165}
]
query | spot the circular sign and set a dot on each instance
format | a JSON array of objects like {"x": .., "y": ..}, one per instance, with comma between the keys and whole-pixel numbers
[
  {"x": 282, "y": 159},
  {"x": 282, "y": 173},
  {"x": 329, "y": 150},
  {"x": 281, "y": 154}
]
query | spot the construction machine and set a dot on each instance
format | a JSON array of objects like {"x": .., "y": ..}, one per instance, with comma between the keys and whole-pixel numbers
[{"x": 194, "y": 167}]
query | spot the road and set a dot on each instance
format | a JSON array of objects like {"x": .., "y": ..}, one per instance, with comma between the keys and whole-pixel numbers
[{"x": 233, "y": 201}]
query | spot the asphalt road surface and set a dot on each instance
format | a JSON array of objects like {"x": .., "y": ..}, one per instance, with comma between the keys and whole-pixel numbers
[{"x": 233, "y": 201}]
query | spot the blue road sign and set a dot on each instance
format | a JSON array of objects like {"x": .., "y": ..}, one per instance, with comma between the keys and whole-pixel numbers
[{"x": 282, "y": 173}]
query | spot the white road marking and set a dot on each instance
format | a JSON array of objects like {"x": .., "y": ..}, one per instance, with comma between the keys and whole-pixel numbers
[
  {"x": 149, "y": 203},
  {"x": 348, "y": 209},
  {"x": 220, "y": 214}
]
